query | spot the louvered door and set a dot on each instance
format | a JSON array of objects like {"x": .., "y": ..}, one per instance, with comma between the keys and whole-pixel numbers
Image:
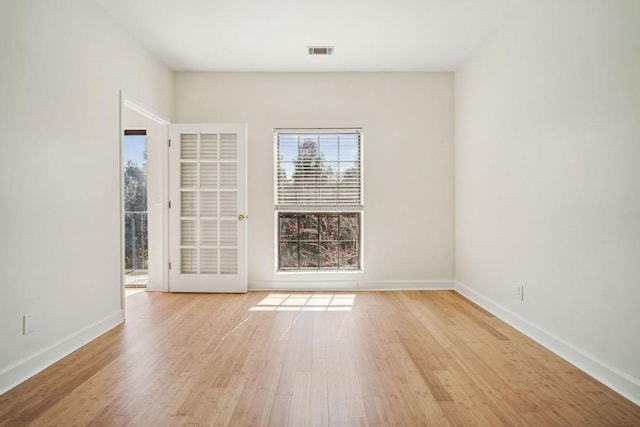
[{"x": 207, "y": 229}]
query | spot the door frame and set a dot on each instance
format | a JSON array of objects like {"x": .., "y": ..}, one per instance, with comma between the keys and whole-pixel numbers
[{"x": 128, "y": 102}]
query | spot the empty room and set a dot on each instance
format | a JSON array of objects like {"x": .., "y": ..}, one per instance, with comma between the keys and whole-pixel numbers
[{"x": 289, "y": 213}]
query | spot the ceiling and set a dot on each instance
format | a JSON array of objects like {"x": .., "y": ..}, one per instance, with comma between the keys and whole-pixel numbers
[{"x": 273, "y": 35}]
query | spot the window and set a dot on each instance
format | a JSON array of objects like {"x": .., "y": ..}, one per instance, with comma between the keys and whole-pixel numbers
[{"x": 318, "y": 199}]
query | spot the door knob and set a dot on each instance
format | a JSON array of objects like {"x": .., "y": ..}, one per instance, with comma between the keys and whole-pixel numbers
[{"x": 242, "y": 217}]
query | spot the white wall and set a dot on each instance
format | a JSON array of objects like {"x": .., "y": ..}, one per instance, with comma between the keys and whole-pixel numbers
[
  {"x": 548, "y": 181},
  {"x": 63, "y": 65},
  {"x": 408, "y": 162}
]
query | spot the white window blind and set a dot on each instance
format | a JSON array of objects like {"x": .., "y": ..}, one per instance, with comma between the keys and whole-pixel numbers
[{"x": 318, "y": 169}]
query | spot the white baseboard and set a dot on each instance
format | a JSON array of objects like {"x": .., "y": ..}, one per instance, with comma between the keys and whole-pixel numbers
[
  {"x": 620, "y": 382},
  {"x": 303, "y": 284},
  {"x": 28, "y": 367}
]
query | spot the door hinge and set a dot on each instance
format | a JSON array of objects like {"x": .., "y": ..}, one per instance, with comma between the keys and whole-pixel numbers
[
  {"x": 169, "y": 204},
  {"x": 169, "y": 143},
  {"x": 169, "y": 265}
]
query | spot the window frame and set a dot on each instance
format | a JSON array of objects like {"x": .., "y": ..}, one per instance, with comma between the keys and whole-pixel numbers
[{"x": 318, "y": 209}]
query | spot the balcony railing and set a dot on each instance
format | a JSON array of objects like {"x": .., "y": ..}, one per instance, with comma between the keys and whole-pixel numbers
[{"x": 136, "y": 238}]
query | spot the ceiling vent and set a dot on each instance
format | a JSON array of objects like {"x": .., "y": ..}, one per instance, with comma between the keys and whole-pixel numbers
[{"x": 320, "y": 50}]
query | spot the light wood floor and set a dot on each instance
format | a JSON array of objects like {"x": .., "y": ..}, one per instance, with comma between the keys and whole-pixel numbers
[{"x": 389, "y": 358}]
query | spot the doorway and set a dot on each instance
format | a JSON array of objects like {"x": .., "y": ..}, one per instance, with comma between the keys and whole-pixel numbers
[
  {"x": 136, "y": 219},
  {"x": 220, "y": 171},
  {"x": 143, "y": 203}
]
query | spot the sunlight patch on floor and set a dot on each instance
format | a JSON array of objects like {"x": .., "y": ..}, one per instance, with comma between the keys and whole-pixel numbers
[{"x": 305, "y": 302}]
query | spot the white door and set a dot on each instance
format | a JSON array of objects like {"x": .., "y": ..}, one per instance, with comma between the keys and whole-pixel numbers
[{"x": 207, "y": 214}]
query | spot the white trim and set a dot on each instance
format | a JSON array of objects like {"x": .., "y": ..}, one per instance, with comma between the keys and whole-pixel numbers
[
  {"x": 341, "y": 131},
  {"x": 121, "y": 199},
  {"x": 140, "y": 107},
  {"x": 623, "y": 383},
  {"x": 304, "y": 284},
  {"x": 30, "y": 366}
]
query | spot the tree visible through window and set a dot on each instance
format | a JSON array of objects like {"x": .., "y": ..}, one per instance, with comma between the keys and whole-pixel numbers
[
  {"x": 319, "y": 199},
  {"x": 135, "y": 201}
]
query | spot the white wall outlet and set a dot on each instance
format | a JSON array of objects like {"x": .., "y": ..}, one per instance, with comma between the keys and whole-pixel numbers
[
  {"x": 520, "y": 292},
  {"x": 27, "y": 324}
]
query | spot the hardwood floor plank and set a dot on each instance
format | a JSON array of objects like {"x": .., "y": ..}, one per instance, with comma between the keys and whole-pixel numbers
[
  {"x": 319, "y": 396},
  {"x": 390, "y": 358},
  {"x": 280, "y": 411}
]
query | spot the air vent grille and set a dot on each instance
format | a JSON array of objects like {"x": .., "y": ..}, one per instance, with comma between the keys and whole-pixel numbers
[{"x": 320, "y": 50}]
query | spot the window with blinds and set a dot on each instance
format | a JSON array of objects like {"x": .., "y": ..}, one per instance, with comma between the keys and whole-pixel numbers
[
  {"x": 318, "y": 198},
  {"x": 319, "y": 170}
]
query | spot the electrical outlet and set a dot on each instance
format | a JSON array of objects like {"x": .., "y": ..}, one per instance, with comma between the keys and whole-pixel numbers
[
  {"x": 27, "y": 324},
  {"x": 520, "y": 292}
]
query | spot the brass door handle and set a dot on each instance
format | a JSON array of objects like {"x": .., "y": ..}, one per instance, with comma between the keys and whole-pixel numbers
[{"x": 242, "y": 217}]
